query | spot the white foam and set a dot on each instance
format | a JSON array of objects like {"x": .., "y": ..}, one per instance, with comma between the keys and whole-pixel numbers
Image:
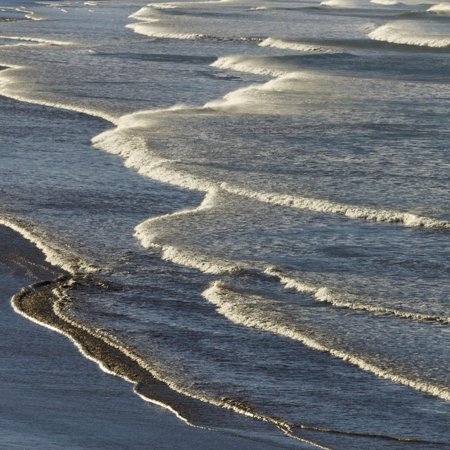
[
  {"x": 39, "y": 41},
  {"x": 329, "y": 207},
  {"x": 385, "y": 2},
  {"x": 52, "y": 252},
  {"x": 137, "y": 155},
  {"x": 246, "y": 64},
  {"x": 7, "y": 82},
  {"x": 149, "y": 30},
  {"x": 440, "y": 8},
  {"x": 260, "y": 313},
  {"x": 341, "y": 3},
  {"x": 323, "y": 294},
  {"x": 290, "y": 45},
  {"x": 407, "y": 34}
]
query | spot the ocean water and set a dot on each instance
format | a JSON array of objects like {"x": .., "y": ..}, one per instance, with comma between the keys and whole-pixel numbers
[{"x": 256, "y": 194}]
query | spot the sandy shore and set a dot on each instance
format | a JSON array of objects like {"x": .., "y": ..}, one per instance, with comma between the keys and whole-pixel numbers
[{"x": 52, "y": 397}]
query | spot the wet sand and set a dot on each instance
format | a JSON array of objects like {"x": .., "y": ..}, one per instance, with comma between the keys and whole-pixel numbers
[{"x": 52, "y": 397}]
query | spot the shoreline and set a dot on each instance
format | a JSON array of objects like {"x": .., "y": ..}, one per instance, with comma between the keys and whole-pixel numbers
[{"x": 35, "y": 303}]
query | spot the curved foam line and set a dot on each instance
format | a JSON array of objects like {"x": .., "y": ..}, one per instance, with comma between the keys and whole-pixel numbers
[
  {"x": 325, "y": 295},
  {"x": 247, "y": 65},
  {"x": 39, "y": 40},
  {"x": 216, "y": 293},
  {"x": 146, "y": 29},
  {"x": 135, "y": 152},
  {"x": 6, "y": 80},
  {"x": 208, "y": 264},
  {"x": 53, "y": 255},
  {"x": 290, "y": 45}
]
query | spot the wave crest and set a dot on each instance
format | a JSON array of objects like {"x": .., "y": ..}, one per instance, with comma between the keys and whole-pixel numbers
[{"x": 410, "y": 35}]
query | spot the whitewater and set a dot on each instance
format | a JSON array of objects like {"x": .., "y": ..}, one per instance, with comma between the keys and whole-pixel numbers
[{"x": 249, "y": 200}]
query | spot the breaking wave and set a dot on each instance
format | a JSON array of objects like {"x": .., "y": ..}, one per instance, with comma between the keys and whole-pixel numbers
[
  {"x": 247, "y": 64},
  {"x": 38, "y": 41},
  {"x": 296, "y": 46},
  {"x": 137, "y": 155},
  {"x": 147, "y": 29},
  {"x": 147, "y": 234},
  {"x": 406, "y": 34},
  {"x": 441, "y": 8}
]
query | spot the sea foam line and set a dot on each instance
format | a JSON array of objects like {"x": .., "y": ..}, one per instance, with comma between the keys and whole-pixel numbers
[
  {"x": 137, "y": 155},
  {"x": 7, "y": 81},
  {"x": 39, "y": 41},
  {"x": 53, "y": 254},
  {"x": 147, "y": 234},
  {"x": 229, "y": 404},
  {"x": 231, "y": 306}
]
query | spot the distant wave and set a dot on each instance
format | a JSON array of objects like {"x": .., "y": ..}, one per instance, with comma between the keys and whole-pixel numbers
[
  {"x": 150, "y": 18},
  {"x": 406, "y": 34},
  {"x": 257, "y": 312},
  {"x": 441, "y": 8},
  {"x": 247, "y": 64},
  {"x": 341, "y": 3},
  {"x": 147, "y": 29},
  {"x": 39, "y": 41},
  {"x": 290, "y": 45}
]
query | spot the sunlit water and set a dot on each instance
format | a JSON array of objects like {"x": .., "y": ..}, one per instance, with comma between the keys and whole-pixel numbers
[{"x": 276, "y": 226}]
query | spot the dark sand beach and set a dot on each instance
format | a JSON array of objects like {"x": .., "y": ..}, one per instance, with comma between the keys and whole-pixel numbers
[{"x": 52, "y": 397}]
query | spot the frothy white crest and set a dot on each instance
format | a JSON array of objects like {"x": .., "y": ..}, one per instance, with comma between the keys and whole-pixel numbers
[
  {"x": 385, "y": 2},
  {"x": 441, "y": 8},
  {"x": 146, "y": 29},
  {"x": 407, "y": 34},
  {"x": 341, "y": 3},
  {"x": 146, "y": 13},
  {"x": 260, "y": 313},
  {"x": 251, "y": 95},
  {"x": 246, "y": 64},
  {"x": 338, "y": 300},
  {"x": 296, "y": 46}
]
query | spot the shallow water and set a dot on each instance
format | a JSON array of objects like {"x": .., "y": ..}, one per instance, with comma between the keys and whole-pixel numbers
[{"x": 264, "y": 188}]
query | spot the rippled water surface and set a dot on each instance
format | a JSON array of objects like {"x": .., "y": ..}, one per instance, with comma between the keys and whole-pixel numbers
[{"x": 260, "y": 190}]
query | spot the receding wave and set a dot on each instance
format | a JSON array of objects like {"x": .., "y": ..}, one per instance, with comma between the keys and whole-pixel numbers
[
  {"x": 260, "y": 313},
  {"x": 323, "y": 294},
  {"x": 398, "y": 33},
  {"x": 7, "y": 82},
  {"x": 45, "y": 302},
  {"x": 53, "y": 252},
  {"x": 147, "y": 234}
]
